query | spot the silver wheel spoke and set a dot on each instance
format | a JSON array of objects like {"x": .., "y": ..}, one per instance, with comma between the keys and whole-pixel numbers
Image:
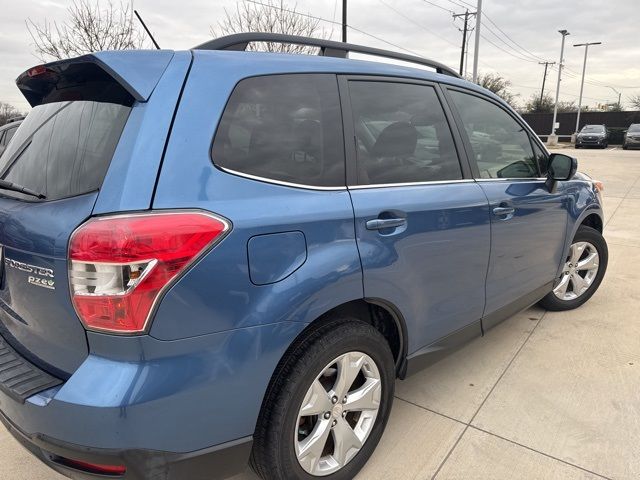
[
  {"x": 576, "y": 252},
  {"x": 345, "y": 441},
  {"x": 367, "y": 397},
  {"x": 590, "y": 262},
  {"x": 316, "y": 402},
  {"x": 579, "y": 284},
  {"x": 561, "y": 289},
  {"x": 310, "y": 449},
  {"x": 348, "y": 368}
]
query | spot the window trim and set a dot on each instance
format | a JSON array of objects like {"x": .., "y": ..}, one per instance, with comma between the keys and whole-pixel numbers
[
  {"x": 467, "y": 142},
  {"x": 268, "y": 180},
  {"x": 351, "y": 154}
]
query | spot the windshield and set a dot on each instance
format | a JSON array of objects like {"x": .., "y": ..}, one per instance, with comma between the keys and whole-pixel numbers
[
  {"x": 593, "y": 129},
  {"x": 635, "y": 128},
  {"x": 63, "y": 149}
]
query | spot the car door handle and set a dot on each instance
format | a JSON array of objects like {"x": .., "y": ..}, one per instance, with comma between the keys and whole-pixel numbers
[
  {"x": 380, "y": 223},
  {"x": 500, "y": 211}
]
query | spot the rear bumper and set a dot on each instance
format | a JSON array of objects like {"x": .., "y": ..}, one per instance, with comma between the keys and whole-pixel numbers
[
  {"x": 183, "y": 409},
  {"x": 222, "y": 461}
]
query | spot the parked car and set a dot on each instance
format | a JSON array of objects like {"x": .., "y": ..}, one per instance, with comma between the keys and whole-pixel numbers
[
  {"x": 632, "y": 137},
  {"x": 202, "y": 269},
  {"x": 7, "y": 132},
  {"x": 593, "y": 136}
]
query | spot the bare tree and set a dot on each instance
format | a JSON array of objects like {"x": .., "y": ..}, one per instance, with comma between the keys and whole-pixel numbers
[
  {"x": 7, "y": 112},
  {"x": 497, "y": 84},
  {"x": 92, "y": 26},
  {"x": 270, "y": 16},
  {"x": 634, "y": 101}
]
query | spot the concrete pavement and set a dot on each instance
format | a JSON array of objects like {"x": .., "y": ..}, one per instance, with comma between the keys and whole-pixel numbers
[{"x": 543, "y": 395}]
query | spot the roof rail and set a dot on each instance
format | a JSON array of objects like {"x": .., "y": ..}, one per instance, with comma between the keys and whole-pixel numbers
[{"x": 328, "y": 48}]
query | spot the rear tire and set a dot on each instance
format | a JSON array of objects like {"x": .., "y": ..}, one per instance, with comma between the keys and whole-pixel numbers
[
  {"x": 578, "y": 278},
  {"x": 295, "y": 411}
]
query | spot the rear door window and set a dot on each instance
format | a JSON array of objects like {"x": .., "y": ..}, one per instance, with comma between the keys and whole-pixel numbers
[
  {"x": 286, "y": 128},
  {"x": 402, "y": 134},
  {"x": 64, "y": 149}
]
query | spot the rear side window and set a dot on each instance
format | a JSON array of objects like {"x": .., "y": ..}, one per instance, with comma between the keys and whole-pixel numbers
[
  {"x": 501, "y": 146},
  {"x": 64, "y": 149},
  {"x": 283, "y": 127},
  {"x": 402, "y": 134}
]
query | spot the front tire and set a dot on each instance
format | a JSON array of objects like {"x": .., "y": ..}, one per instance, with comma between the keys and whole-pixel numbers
[
  {"x": 328, "y": 404},
  {"x": 582, "y": 272}
]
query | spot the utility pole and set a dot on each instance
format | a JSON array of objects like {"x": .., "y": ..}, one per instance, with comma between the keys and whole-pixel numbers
[
  {"x": 619, "y": 96},
  {"x": 544, "y": 79},
  {"x": 553, "y": 139},
  {"x": 466, "y": 15},
  {"x": 344, "y": 21},
  {"x": 477, "y": 43},
  {"x": 584, "y": 69}
]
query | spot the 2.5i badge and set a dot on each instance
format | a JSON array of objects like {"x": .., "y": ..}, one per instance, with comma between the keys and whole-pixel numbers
[{"x": 39, "y": 276}]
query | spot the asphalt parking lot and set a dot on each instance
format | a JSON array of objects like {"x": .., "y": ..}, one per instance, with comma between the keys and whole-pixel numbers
[{"x": 543, "y": 395}]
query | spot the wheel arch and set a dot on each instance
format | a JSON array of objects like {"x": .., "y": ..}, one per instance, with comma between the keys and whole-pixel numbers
[{"x": 593, "y": 220}]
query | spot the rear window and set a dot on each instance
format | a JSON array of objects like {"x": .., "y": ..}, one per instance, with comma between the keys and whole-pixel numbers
[
  {"x": 284, "y": 127},
  {"x": 64, "y": 149}
]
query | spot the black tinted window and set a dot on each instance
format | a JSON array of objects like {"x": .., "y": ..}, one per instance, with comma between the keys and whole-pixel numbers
[
  {"x": 501, "y": 145},
  {"x": 542, "y": 157},
  {"x": 284, "y": 127},
  {"x": 9, "y": 134},
  {"x": 64, "y": 149},
  {"x": 402, "y": 133}
]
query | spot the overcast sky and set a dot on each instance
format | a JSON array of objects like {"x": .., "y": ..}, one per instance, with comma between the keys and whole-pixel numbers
[{"x": 424, "y": 27}]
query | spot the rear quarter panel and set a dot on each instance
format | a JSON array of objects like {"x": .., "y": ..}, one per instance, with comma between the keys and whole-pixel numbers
[{"x": 218, "y": 294}]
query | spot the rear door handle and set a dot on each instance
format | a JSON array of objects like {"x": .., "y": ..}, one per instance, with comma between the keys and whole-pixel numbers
[
  {"x": 501, "y": 211},
  {"x": 380, "y": 223}
]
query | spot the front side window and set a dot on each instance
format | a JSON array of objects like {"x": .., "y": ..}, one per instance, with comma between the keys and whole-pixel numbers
[
  {"x": 284, "y": 127},
  {"x": 402, "y": 134},
  {"x": 542, "y": 157},
  {"x": 501, "y": 146}
]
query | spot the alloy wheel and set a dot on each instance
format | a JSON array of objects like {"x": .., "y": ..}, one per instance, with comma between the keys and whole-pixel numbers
[
  {"x": 579, "y": 271},
  {"x": 338, "y": 413}
]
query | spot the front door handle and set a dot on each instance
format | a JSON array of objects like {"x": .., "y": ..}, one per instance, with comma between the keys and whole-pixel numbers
[
  {"x": 380, "y": 223},
  {"x": 501, "y": 211}
]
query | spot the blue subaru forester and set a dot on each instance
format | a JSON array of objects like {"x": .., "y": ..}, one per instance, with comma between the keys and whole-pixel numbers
[{"x": 216, "y": 257}]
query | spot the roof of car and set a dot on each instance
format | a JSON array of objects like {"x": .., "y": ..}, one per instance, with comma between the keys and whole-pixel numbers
[{"x": 263, "y": 63}]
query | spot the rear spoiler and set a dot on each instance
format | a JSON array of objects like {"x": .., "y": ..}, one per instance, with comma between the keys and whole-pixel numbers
[{"x": 116, "y": 76}]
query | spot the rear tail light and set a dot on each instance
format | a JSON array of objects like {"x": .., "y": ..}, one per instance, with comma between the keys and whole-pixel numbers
[
  {"x": 95, "y": 468},
  {"x": 120, "y": 266}
]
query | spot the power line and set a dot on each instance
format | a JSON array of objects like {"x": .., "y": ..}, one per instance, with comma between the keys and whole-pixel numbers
[
  {"x": 439, "y": 6},
  {"x": 359, "y": 30},
  {"x": 409, "y": 19}
]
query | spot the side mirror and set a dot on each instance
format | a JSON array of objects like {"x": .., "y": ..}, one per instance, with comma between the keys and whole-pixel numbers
[{"x": 561, "y": 168}]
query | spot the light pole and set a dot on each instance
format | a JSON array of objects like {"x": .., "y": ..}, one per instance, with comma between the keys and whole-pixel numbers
[
  {"x": 584, "y": 69},
  {"x": 476, "y": 45},
  {"x": 553, "y": 139}
]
